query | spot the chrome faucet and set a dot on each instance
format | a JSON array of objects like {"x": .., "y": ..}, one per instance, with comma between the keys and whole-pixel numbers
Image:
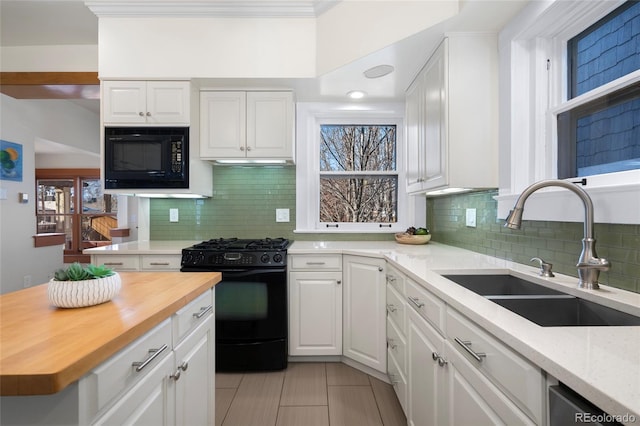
[{"x": 589, "y": 264}]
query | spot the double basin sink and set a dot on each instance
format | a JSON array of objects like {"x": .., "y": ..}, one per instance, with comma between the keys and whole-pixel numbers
[{"x": 542, "y": 305}]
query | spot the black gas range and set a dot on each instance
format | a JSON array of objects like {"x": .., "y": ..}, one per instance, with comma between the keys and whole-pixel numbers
[
  {"x": 251, "y": 300},
  {"x": 231, "y": 253}
]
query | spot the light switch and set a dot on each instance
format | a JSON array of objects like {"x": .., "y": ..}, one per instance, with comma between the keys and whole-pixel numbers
[
  {"x": 173, "y": 215},
  {"x": 282, "y": 215},
  {"x": 471, "y": 218}
]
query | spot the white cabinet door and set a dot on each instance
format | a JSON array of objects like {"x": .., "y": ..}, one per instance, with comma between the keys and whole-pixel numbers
[
  {"x": 168, "y": 102},
  {"x": 124, "y": 102},
  {"x": 435, "y": 130},
  {"x": 364, "y": 311},
  {"x": 194, "y": 388},
  {"x": 415, "y": 134},
  {"x": 269, "y": 125},
  {"x": 222, "y": 124},
  {"x": 142, "y": 102},
  {"x": 473, "y": 399},
  {"x": 425, "y": 377},
  {"x": 149, "y": 402},
  {"x": 315, "y": 313}
]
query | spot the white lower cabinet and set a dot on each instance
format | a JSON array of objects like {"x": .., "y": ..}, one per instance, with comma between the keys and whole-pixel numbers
[
  {"x": 364, "y": 311},
  {"x": 194, "y": 389},
  {"x": 425, "y": 378},
  {"x": 134, "y": 262},
  {"x": 315, "y": 304},
  {"x": 147, "y": 403},
  {"x": 315, "y": 313}
]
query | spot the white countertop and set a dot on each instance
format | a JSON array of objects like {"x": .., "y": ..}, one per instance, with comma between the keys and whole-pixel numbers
[{"x": 600, "y": 363}]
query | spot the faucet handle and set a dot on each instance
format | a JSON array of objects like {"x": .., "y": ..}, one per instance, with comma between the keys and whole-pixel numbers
[{"x": 545, "y": 267}]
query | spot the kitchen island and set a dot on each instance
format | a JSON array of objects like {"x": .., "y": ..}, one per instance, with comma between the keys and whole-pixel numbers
[{"x": 46, "y": 350}]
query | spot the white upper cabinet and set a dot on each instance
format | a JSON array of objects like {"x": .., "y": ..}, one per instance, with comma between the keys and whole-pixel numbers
[
  {"x": 246, "y": 125},
  {"x": 452, "y": 116},
  {"x": 146, "y": 102}
]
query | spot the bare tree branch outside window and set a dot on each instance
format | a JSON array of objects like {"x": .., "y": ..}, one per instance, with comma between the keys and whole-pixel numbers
[{"x": 358, "y": 174}]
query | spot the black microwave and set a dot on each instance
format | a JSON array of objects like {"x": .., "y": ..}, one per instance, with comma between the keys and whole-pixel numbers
[{"x": 146, "y": 157}]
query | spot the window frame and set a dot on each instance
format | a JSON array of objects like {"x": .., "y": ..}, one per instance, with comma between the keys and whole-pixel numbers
[
  {"x": 310, "y": 116},
  {"x": 534, "y": 60}
]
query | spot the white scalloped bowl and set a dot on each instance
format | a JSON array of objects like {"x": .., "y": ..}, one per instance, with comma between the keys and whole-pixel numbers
[{"x": 79, "y": 294}]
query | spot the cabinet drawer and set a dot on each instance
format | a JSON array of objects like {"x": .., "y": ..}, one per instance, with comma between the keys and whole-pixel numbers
[
  {"x": 397, "y": 345},
  {"x": 426, "y": 304},
  {"x": 332, "y": 262},
  {"x": 396, "y": 279},
  {"x": 129, "y": 366},
  {"x": 396, "y": 309},
  {"x": 191, "y": 315},
  {"x": 398, "y": 380},
  {"x": 160, "y": 262},
  {"x": 520, "y": 380},
  {"x": 122, "y": 262}
]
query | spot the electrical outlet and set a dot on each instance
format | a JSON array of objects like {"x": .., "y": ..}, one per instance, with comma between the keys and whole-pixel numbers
[
  {"x": 471, "y": 218},
  {"x": 282, "y": 215},
  {"x": 173, "y": 215}
]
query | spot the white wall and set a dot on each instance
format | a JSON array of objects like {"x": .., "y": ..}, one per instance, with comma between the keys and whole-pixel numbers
[{"x": 24, "y": 122}]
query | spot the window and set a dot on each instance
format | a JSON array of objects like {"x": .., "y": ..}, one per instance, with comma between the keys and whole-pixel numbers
[
  {"x": 358, "y": 176},
  {"x": 552, "y": 112},
  {"x": 602, "y": 135},
  {"x": 71, "y": 201},
  {"x": 350, "y": 168}
]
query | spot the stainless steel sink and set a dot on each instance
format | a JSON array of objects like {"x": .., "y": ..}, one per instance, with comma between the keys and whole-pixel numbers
[
  {"x": 500, "y": 285},
  {"x": 542, "y": 305},
  {"x": 565, "y": 311}
]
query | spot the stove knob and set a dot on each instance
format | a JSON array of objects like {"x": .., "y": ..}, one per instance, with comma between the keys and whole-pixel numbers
[
  {"x": 264, "y": 258},
  {"x": 199, "y": 259},
  {"x": 277, "y": 258}
]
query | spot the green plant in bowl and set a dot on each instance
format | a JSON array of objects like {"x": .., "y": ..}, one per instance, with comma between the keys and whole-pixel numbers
[{"x": 76, "y": 272}]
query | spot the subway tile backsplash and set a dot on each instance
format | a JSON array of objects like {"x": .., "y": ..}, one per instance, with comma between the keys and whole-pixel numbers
[
  {"x": 559, "y": 243},
  {"x": 245, "y": 200}
]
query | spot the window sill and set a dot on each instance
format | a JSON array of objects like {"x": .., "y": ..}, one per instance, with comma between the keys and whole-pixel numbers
[
  {"x": 49, "y": 239},
  {"x": 346, "y": 231}
]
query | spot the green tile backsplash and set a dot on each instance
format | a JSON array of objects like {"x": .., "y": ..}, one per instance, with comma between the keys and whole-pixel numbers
[
  {"x": 245, "y": 200},
  {"x": 556, "y": 242},
  {"x": 243, "y": 205}
]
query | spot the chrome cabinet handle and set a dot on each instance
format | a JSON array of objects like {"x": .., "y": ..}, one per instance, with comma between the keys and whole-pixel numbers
[
  {"x": 148, "y": 114},
  {"x": 159, "y": 263},
  {"x": 391, "y": 279},
  {"x": 113, "y": 263},
  {"x": 435, "y": 356},
  {"x": 466, "y": 345},
  {"x": 339, "y": 282},
  {"x": 248, "y": 148},
  {"x": 182, "y": 367},
  {"x": 380, "y": 269},
  {"x": 315, "y": 263},
  {"x": 202, "y": 312},
  {"x": 416, "y": 302},
  {"x": 141, "y": 114},
  {"x": 391, "y": 308},
  {"x": 153, "y": 354},
  {"x": 391, "y": 344},
  {"x": 242, "y": 148}
]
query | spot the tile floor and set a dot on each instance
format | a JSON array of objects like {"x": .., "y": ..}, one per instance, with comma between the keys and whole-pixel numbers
[{"x": 306, "y": 394}]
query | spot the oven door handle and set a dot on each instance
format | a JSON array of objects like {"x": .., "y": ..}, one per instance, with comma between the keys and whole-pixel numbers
[{"x": 244, "y": 272}]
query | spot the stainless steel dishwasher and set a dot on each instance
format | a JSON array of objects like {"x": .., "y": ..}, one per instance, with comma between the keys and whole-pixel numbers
[{"x": 566, "y": 407}]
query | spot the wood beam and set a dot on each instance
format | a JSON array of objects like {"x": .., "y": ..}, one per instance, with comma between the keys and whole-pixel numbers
[{"x": 50, "y": 85}]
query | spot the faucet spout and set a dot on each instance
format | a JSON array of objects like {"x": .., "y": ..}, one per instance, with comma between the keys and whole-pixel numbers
[{"x": 589, "y": 265}]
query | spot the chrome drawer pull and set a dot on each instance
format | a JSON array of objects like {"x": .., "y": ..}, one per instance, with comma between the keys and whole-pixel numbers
[
  {"x": 113, "y": 263},
  {"x": 391, "y": 308},
  {"x": 466, "y": 345},
  {"x": 202, "y": 312},
  {"x": 153, "y": 354},
  {"x": 159, "y": 263},
  {"x": 391, "y": 278},
  {"x": 416, "y": 302},
  {"x": 391, "y": 344},
  {"x": 316, "y": 263}
]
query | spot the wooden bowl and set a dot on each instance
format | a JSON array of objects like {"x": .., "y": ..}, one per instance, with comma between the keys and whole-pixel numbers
[{"x": 404, "y": 238}]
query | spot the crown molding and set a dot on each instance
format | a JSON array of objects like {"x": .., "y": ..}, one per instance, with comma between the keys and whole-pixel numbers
[{"x": 215, "y": 8}]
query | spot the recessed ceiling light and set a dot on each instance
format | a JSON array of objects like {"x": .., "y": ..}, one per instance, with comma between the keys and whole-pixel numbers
[
  {"x": 378, "y": 71},
  {"x": 356, "y": 94}
]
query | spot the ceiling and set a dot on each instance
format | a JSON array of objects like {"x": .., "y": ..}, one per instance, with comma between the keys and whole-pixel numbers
[{"x": 64, "y": 22}]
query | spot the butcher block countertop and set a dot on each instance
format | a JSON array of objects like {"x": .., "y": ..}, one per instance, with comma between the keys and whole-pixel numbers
[{"x": 43, "y": 349}]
